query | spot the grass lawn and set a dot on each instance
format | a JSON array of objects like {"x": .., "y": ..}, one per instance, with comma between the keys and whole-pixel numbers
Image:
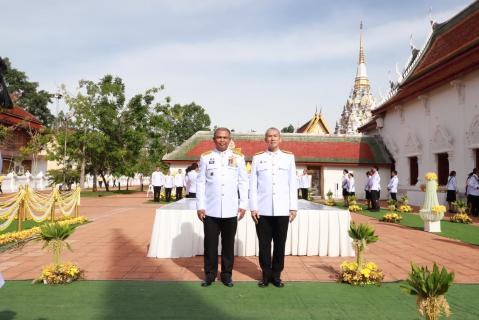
[
  {"x": 462, "y": 232},
  {"x": 188, "y": 300},
  {"x": 30, "y": 224},
  {"x": 112, "y": 192}
]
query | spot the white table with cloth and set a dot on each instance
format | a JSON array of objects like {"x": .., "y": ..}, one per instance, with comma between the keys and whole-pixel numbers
[
  {"x": 318, "y": 230},
  {"x": 416, "y": 198}
]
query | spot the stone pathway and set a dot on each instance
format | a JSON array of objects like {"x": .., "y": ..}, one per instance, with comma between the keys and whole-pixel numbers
[{"x": 115, "y": 245}]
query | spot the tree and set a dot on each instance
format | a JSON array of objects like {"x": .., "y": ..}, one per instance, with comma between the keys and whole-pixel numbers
[
  {"x": 288, "y": 129},
  {"x": 33, "y": 100}
]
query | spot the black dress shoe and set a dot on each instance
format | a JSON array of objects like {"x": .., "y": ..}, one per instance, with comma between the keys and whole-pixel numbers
[
  {"x": 207, "y": 281},
  {"x": 277, "y": 282},
  {"x": 227, "y": 281},
  {"x": 263, "y": 283}
]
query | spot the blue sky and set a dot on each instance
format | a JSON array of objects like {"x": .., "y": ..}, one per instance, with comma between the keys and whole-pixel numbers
[{"x": 250, "y": 64}]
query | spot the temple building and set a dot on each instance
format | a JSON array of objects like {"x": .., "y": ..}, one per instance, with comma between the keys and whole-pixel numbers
[
  {"x": 361, "y": 101},
  {"x": 317, "y": 125},
  {"x": 429, "y": 119}
]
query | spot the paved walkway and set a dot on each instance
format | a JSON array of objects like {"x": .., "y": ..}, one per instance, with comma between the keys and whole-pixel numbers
[{"x": 115, "y": 245}]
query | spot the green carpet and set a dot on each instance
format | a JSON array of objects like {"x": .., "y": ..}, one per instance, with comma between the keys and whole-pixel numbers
[
  {"x": 462, "y": 232},
  {"x": 188, "y": 300}
]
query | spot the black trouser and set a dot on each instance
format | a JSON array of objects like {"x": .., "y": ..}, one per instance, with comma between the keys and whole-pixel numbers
[
  {"x": 168, "y": 194},
  {"x": 374, "y": 199},
  {"x": 192, "y": 195},
  {"x": 304, "y": 193},
  {"x": 272, "y": 229},
  {"x": 1, "y": 189},
  {"x": 393, "y": 196},
  {"x": 179, "y": 193},
  {"x": 156, "y": 193},
  {"x": 475, "y": 205},
  {"x": 213, "y": 227},
  {"x": 100, "y": 183}
]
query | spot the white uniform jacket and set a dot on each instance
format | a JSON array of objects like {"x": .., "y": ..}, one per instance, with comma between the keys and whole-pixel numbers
[
  {"x": 157, "y": 179},
  {"x": 366, "y": 186},
  {"x": 273, "y": 186},
  {"x": 452, "y": 183},
  {"x": 179, "y": 180},
  {"x": 393, "y": 185},
  {"x": 221, "y": 176},
  {"x": 192, "y": 176},
  {"x": 168, "y": 181},
  {"x": 374, "y": 182},
  {"x": 351, "y": 186},
  {"x": 474, "y": 185},
  {"x": 304, "y": 182}
]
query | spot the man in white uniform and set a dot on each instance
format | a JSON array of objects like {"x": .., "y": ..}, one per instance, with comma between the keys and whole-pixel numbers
[
  {"x": 474, "y": 192},
  {"x": 157, "y": 182},
  {"x": 304, "y": 185},
  {"x": 192, "y": 175},
  {"x": 221, "y": 177},
  {"x": 393, "y": 185},
  {"x": 179, "y": 183},
  {"x": 273, "y": 204},
  {"x": 374, "y": 187},
  {"x": 168, "y": 183}
]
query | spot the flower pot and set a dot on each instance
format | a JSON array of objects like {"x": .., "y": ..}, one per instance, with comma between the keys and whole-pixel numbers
[
  {"x": 461, "y": 210},
  {"x": 405, "y": 202},
  {"x": 427, "y": 215}
]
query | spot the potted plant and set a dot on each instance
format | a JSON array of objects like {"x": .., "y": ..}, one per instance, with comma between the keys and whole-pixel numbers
[
  {"x": 430, "y": 289},
  {"x": 330, "y": 201},
  {"x": 460, "y": 205},
  {"x": 392, "y": 205},
  {"x": 54, "y": 235},
  {"x": 362, "y": 235},
  {"x": 352, "y": 200},
  {"x": 405, "y": 200}
]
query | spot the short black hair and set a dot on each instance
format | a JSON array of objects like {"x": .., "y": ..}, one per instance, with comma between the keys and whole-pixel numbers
[
  {"x": 221, "y": 129},
  {"x": 376, "y": 167},
  {"x": 368, "y": 173},
  {"x": 452, "y": 173},
  {"x": 352, "y": 175},
  {"x": 194, "y": 166},
  {"x": 346, "y": 170},
  {"x": 395, "y": 172}
]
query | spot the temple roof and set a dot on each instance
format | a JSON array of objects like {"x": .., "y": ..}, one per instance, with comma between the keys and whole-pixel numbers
[
  {"x": 18, "y": 115},
  {"x": 316, "y": 125},
  {"x": 450, "y": 52},
  {"x": 308, "y": 149},
  {"x": 361, "y": 73}
]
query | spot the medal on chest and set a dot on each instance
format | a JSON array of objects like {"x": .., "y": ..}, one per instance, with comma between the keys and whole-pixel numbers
[
  {"x": 232, "y": 161},
  {"x": 212, "y": 160}
]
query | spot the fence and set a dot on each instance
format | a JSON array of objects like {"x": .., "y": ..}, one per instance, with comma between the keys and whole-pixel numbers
[{"x": 28, "y": 204}]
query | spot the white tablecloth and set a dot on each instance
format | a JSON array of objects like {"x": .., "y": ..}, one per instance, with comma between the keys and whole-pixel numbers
[
  {"x": 317, "y": 230},
  {"x": 416, "y": 198}
]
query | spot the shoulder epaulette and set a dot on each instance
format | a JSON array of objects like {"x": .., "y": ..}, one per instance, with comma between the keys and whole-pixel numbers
[
  {"x": 206, "y": 153},
  {"x": 288, "y": 152},
  {"x": 258, "y": 153},
  {"x": 237, "y": 152}
]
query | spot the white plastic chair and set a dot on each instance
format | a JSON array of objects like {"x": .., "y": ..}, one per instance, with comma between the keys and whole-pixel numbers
[{"x": 150, "y": 189}]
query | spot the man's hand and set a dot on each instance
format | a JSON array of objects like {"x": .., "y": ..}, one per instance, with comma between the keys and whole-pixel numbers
[
  {"x": 241, "y": 213},
  {"x": 201, "y": 214},
  {"x": 292, "y": 215},
  {"x": 255, "y": 216}
]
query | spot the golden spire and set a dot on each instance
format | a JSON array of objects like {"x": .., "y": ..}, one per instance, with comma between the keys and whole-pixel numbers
[{"x": 361, "y": 51}]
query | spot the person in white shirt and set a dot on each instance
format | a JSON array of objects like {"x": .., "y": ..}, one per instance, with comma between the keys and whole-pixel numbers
[
  {"x": 344, "y": 186},
  {"x": 469, "y": 203},
  {"x": 273, "y": 203},
  {"x": 187, "y": 185},
  {"x": 304, "y": 184},
  {"x": 366, "y": 190},
  {"x": 168, "y": 183},
  {"x": 374, "y": 187},
  {"x": 298, "y": 182},
  {"x": 351, "y": 186},
  {"x": 179, "y": 184},
  {"x": 474, "y": 192},
  {"x": 157, "y": 182},
  {"x": 452, "y": 190},
  {"x": 221, "y": 200},
  {"x": 393, "y": 185},
  {"x": 192, "y": 175}
]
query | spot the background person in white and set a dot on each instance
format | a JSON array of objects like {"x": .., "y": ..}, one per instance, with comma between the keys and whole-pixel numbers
[
  {"x": 304, "y": 184},
  {"x": 273, "y": 203},
  {"x": 351, "y": 185},
  {"x": 344, "y": 186},
  {"x": 393, "y": 185},
  {"x": 452, "y": 190},
  {"x": 157, "y": 182},
  {"x": 168, "y": 183},
  {"x": 179, "y": 183},
  {"x": 474, "y": 192},
  {"x": 192, "y": 180},
  {"x": 374, "y": 188},
  {"x": 222, "y": 176}
]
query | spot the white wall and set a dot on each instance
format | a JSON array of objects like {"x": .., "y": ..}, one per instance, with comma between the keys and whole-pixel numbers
[{"x": 449, "y": 109}]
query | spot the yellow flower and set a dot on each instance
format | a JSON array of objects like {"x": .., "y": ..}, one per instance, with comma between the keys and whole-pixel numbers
[
  {"x": 430, "y": 176},
  {"x": 438, "y": 209},
  {"x": 365, "y": 272}
]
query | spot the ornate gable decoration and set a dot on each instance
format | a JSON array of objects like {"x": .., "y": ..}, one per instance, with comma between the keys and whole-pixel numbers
[
  {"x": 390, "y": 145},
  {"x": 412, "y": 146},
  {"x": 441, "y": 140},
  {"x": 473, "y": 133}
]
